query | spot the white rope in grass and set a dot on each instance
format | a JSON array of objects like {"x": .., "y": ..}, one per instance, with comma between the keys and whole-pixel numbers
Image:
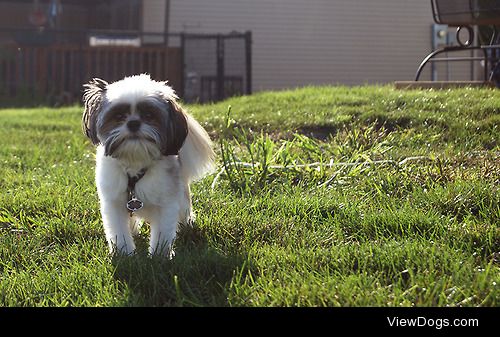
[{"x": 320, "y": 164}]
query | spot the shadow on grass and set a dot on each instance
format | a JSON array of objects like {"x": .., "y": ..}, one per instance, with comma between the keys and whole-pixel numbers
[{"x": 197, "y": 276}]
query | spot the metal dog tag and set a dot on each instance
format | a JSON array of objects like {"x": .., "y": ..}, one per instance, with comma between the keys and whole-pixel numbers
[{"x": 134, "y": 204}]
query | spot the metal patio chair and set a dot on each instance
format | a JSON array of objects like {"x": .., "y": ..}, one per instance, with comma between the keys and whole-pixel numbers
[{"x": 464, "y": 14}]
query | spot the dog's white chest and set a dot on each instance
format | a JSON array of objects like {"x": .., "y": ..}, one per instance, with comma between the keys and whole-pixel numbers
[{"x": 158, "y": 184}]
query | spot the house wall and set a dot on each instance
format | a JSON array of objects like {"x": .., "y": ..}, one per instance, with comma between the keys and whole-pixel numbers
[
  {"x": 303, "y": 42},
  {"x": 295, "y": 42},
  {"x": 153, "y": 19}
]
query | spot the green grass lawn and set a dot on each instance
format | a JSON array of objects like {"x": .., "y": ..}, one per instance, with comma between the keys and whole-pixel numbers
[{"x": 324, "y": 196}]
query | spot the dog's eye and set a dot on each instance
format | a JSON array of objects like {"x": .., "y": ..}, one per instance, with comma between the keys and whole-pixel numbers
[
  {"x": 147, "y": 115},
  {"x": 120, "y": 112},
  {"x": 120, "y": 116},
  {"x": 148, "y": 111}
]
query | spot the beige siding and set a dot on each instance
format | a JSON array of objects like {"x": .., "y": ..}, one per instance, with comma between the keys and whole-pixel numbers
[
  {"x": 303, "y": 42},
  {"x": 153, "y": 19}
]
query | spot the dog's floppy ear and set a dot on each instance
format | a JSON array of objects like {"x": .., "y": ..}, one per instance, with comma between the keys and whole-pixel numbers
[
  {"x": 177, "y": 130},
  {"x": 92, "y": 99}
]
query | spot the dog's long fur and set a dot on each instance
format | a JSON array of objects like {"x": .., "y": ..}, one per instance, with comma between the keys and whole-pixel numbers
[{"x": 169, "y": 145}]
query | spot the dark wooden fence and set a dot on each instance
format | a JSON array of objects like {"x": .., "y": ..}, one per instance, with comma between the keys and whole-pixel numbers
[
  {"x": 54, "y": 74},
  {"x": 50, "y": 68}
]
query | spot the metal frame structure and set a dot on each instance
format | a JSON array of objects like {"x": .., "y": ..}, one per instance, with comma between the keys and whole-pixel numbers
[
  {"x": 464, "y": 14},
  {"x": 216, "y": 80}
]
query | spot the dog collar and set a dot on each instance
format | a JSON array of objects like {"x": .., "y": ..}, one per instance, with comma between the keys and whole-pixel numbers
[{"x": 134, "y": 204}]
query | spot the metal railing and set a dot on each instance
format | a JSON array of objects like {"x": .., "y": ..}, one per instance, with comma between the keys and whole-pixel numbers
[{"x": 464, "y": 14}]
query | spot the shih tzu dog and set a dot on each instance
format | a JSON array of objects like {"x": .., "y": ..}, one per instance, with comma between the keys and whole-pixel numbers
[{"x": 148, "y": 152}]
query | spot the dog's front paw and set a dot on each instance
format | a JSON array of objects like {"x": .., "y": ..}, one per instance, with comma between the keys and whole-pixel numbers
[
  {"x": 121, "y": 247},
  {"x": 166, "y": 252}
]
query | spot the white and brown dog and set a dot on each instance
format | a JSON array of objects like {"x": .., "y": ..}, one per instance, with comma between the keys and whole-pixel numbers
[{"x": 148, "y": 152}]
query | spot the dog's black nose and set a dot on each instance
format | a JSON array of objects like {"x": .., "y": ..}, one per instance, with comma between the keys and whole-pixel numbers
[{"x": 133, "y": 125}]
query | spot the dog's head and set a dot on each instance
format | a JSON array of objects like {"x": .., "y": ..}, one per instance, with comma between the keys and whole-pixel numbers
[{"x": 134, "y": 116}]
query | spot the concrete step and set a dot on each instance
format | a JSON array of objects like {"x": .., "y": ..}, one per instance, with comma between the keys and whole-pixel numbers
[{"x": 441, "y": 84}]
